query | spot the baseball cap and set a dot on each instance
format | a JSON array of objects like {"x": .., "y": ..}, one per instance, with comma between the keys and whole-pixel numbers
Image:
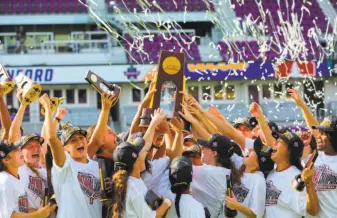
[
  {"x": 193, "y": 151},
  {"x": 137, "y": 135},
  {"x": 219, "y": 143},
  {"x": 249, "y": 122},
  {"x": 25, "y": 139},
  {"x": 273, "y": 127},
  {"x": 329, "y": 124},
  {"x": 67, "y": 130},
  {"x": 125, "y": 155},
  {"x": 264, "y": 152},
  {"x": 6, "y": 148},
  {"x": 190, "y": 138},
  {"x": 295, "y": 146},
  {"x": 180, "y": 171}
]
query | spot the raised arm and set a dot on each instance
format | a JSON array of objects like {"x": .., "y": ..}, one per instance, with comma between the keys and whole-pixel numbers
[
  {"x": 197, "y": 127},
  {"x": 164, "y": 129},
  {"x": 256, "y": 111},
  {"x": 97, "y": 139},
  {"x": 312, "y": 199},
  {"x": 177, "y": 146},
  {"x": 14, "y": 131},
  {"x": 308, "y": 116},
  {"x": 4, "y": 115},
  {"x": 55, "y": 144},
  {"x": 145, "y": 104}
]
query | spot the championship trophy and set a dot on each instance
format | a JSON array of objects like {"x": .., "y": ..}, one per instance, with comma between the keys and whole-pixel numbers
[
  {"x": 101, "y": 85},
  {"x": 170, "y": 69},
  {"x": 7, "y": 82},
  {"x": 31, "y": 89},
  {"x": 54, "y": 103},
  {"x": 297, "y": 183}
]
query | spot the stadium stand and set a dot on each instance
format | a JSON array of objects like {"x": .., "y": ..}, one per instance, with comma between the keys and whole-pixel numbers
[{"x": 41, "y": 7}]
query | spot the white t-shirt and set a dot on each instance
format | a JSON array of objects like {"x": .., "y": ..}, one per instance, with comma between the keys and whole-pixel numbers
[
  {"x": 249, "y": 143},
  {"x": 282, "y": 200},
  {"x": 151, "y": 180},
  {"x": 251, "y": 193},
  {"x": 325, "y": 179},
  {"x": 34, "y": 185},
  {"x": 13, "y": 196},
  {"x": 209, "y": 187},
  {"x": 135, "y": 204},
  {"x": 188, "y": 206},
  {"x": 77, "y": 189},
  {"x": 237, "y": 160}
]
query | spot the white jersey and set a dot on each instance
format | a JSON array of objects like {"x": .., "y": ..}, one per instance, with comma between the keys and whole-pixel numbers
[
  {"x": 209, "y": 187},
  {"x": 34, "y": 185},
  {"x": 135, "y": 204},
  {"x": 77, "y": 189},
  {"x": 13, "y": 196},
  {"x": 282, "y": 200},
  {"x": 325, "y": 179},
  {"x": 188, "y": 206},
  {"x": 251, "y": 193},
  {"x": 158, "y": 167}
]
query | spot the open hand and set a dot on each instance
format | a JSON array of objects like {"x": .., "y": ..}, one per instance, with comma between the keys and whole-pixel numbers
[
  {"x": 295, "y": 95},
  {"x": 108, "y": 100},
  {"x": 158, "y": 115},
  {"x": 177, "y": 124}
]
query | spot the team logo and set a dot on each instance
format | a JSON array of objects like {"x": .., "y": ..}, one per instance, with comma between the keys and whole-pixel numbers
[
  {"x": 326, "y": 122},
  {"x": 36, "y": 185},
  {"x": 215, "y": 144},
  {"x": 2, "y": 154},
  {"x": 90, "y": 186},
  {"x": 240, "y": 192},
  {"x": 272, "y": 194},
  {"x": 134, "y": 155},
  {"x": 324, "y": 178},
  {"x": 23, "y": 203},
  {"x": 132, "y": 73}
]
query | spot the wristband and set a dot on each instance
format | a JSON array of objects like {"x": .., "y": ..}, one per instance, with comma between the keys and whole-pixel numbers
[
  {"x": 58, "y": 119},
  {"x": 167, "y": 202}
]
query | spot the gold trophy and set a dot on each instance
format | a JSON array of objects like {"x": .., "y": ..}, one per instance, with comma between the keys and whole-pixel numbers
[
  {"x": 7, "y": 82},
  {"x": 54, "y": 103},
  {"x": 170, "y": 69},
  {"x": 31, "y": 89}
]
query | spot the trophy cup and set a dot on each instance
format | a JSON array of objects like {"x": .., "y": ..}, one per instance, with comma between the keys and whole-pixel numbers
[
  {"x": 54, "y": 103},
  {"x": 31, "y": 89},
  {"x": 7, "y": 82},
  {"x": 297, "y": 183},
  {"x": 170, "y": 69},
  {"x": 101, "y": 85}
]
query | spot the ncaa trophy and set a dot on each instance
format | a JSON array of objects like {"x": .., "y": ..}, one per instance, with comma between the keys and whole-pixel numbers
[
  {"x": 30, "y": 89},
  {"x": 7, "y": 82},
  {"x": 170, "y": 69},
  {"x": 54, "y": 103}
]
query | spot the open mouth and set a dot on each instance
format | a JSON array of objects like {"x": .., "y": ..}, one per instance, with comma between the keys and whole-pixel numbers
[
  {"x": 36, "y": 155},
  {"x": 274, "y": 150},
  {"x": 80, "y": 148}
]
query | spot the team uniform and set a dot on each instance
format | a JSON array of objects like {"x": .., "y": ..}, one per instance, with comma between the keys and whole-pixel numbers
[
  {"x": 13, "y": 196},
  {"x": 189, "y": 207},
  {"x": 34, "y": 185},
  {"x": 77, "y": 183},
  {"x": 282, "y": 200},
  {"x": 251, "y": 193}
]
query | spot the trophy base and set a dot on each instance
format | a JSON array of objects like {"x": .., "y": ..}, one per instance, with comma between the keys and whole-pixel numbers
[{"x": 31, "y": 94}]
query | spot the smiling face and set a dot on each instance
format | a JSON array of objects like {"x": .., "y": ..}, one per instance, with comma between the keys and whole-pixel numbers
[
  {"x": 246, "y": 132},
  {"x": 32, "y": 153},
  {"x": 77, "y": 146},
  {"x": 208, "y": 155},
  {"x": 110, "y": 140},
  {"x": 280, "y": 152},
  {"x": 251, "y": 160},
  {"x": 14, "y": 159},
  {"x": 323, "y": 141}
]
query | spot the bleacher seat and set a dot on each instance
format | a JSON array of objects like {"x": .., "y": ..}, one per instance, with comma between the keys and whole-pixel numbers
[
  {"x": 167, "y": 6},
  {"x": 151, "y": 48},
  {"x": 41, "y": 7}
]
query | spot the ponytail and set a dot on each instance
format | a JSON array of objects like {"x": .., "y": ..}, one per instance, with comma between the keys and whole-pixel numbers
[
  {"x": 178, "y": 189},
  {"x": 235, "y": 174},
  {"x": 119, "y": 180},
  {"x": 34, "y": 170}
]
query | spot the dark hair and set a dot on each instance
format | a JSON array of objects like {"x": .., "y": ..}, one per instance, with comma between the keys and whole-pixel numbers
[
  {"x": 295, "y": 159},
  {"x": 2, "y": 166},
  {"x": 120, "y": 181},
  {"x": 179, "y": 189},
  {"x": 235, "y": 174}
]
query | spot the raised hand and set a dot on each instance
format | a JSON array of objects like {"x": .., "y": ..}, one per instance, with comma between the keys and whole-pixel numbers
[
  {"x": 215, "y": 112},
  {"x": 162, "y": 128},
  {"x": 45, "y": 101},
  {"x": 108, "y": 100},
  {"x": 2, "y": 91},
  {"x": 177, "y": 124},
  {"x": 158, "y": 116},
  {"x": 149, "y": 94},
  {"x": 295, "y": 95},
  {"x": 186, "y": 114},
  {"x": 61, "y": 113},
  {"x": 255, "y": 110}
]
